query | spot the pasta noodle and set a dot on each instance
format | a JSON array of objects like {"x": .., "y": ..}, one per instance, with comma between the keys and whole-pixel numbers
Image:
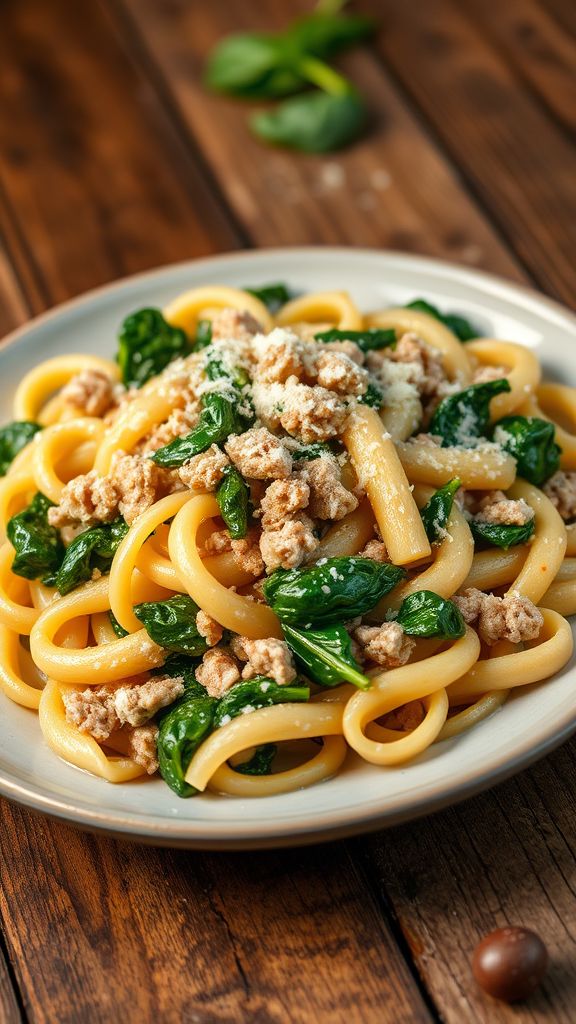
[{"x": 261, "y": 543}]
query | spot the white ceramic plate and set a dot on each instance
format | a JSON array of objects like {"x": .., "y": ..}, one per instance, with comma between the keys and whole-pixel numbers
[{"x": 362, "y": 797}]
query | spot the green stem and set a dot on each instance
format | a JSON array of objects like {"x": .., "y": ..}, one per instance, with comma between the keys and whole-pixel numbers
[
  {"x": 320, "y": 74},
  {"x": 329, "y": 6}
]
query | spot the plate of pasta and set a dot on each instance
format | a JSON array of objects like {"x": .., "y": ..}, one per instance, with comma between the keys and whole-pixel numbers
[{"x": 289, "y": 546}]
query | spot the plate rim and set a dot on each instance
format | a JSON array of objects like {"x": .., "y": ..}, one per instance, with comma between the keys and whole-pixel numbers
[{"x": 292, "y": 831}]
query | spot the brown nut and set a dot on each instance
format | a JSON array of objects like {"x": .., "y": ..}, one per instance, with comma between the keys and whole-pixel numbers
[{"x": 510, "y": 963}]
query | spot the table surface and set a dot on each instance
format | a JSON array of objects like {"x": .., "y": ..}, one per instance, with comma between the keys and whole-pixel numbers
[{"x": 113, "y": 159}]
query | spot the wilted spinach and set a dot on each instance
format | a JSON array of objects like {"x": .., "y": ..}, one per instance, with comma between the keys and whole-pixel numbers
[
  {"x": 427, "y": 614},
  {"x": 146, "y": 344},
  {"x": 233, "y": 497},
  {"x": 272, "y": 295},
  {"x": 372, "y": 396},
  {"x": 531, "y": 441},
  {"x": 261, "y": 761},
  {"x": 463, "y": 418},
  {"x": 93, "y": 549},
  {"x": 172, "y": 624},
  {"x": 13, "y": 438},
  {"x": 256, "y": 693},
  {"x": 181, "y": 731},
  {"x": 315, "y": 450},
  {"x": 38, "y": 546},
  {"x": 220, "y": 417},
  {"x": 326, "y": 593},
  {"x": 436, "y": 511},
  {"x": 368, "y": 340},
  {"x": 502, "y": 535},
  {"x": 325, "y": 655},
  {"x": 459, "y": 325},
  {"x": 203, "y": 335}
]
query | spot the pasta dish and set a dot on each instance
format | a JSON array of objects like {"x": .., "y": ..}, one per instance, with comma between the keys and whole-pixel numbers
[{"x": 275, "y": 531}]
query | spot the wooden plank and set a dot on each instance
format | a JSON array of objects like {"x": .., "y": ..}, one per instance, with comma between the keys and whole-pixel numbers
[
  {"x": 541, "y": 53},
  {"x": 564, "y": 12},
  {"x": 101, "y": 184},
  {"x": 393, "y": 189},
  {"x": 9, "y": 1009},
  {"x": 516, "y": 159},
  {"x": 109, "y": 931},
  {"x": 507, "y": 857}
]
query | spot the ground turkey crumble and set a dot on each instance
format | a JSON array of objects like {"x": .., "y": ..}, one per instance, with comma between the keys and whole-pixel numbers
[
  {"x": 269, "y": 657},
  {"x": 142, "y": 747},
  {"x": 233, "y": 324},
  {"x": 376, "y": 550},
  {"x": 209, "y": 628},
  {"x": 495, "y": 507},
  {"x": 205, "y": 471},
  {"x": 91, "y": 391},
  {"x": 289, "y": 546},
  {"x": 513, "y": 618},
  {"x": 561, "y": 490},
  {"x": 133, "y": 484},
  {"x": 246, "y": 551},
  {"x": 329, "y": 499},
  {"x": 281, "y": 500},
  {"x": 386, "y": 645},
  {"x": 259, "y": 454},
  {"x": 218, "y": 672},
  {"x": 100, "y": 711}
]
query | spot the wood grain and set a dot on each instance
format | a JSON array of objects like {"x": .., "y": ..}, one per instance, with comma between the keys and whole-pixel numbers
[
  {"x": 392, "y": 190},
  {"x": 535, "y": 46},
  {"x": 109, "y": 931},
  {"x": 99, "y": 182},
  {"x": 518, "y": 161},
  {"x": 507, "y": 857},
  {"x": 9, "y": 1009}
]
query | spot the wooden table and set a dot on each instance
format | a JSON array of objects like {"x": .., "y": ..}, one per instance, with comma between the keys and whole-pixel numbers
[{"x": 113, "y": 159}]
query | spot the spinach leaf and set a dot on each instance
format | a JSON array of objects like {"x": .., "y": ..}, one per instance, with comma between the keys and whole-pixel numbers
[
  {"x": 436, "y": 511},
  {"x": 427, "y": 614},
  {"x": 216, "y": 370},
  {"x": 13, "y": 438},
  {"x": 372, "y": 396},
  {"x": 325, "y": 34},
  {"x": 118, "y": 629},
  {"x": 172, "y": 624},
  {"x": 252, "y": 64},
  {"x": 261, "y": 761},
  {"x": 315, "y": 450},
  {"x": 372, "y": 338},
  {"x": 220, "y": 417},
  {"x": 39, "y": 549},
  {"x": 272, "y": 295},
  {"x": 233, "y": 497},
  {"x": 333, "y": 590},
  {"x": 459, "y": 326},
  {"x": 315, "y": 122},
  {"x": 180, "y": 665},
  {"x": 463, "y": 418},
  {"x": 181, "y": 731},
  {"x": 502, "y": 535},
  {"x": 531, "y": 441},
  {"x": 93, "y": 549},
  {"x": 253, "y": 694},
  {"x": 203, "y": 335},
  {"x": 146, "y": 344},
  {"x": 325, "y": 655}
]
